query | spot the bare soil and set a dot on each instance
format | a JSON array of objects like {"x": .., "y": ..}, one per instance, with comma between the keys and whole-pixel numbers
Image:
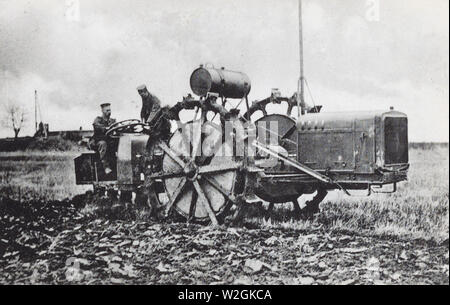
[{"x": 57, "y": 242}]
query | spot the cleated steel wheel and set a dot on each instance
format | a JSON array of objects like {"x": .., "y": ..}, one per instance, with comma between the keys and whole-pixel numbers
[
  {"x": 201, "y": 177},
  {"x": 262, "y": 106}
]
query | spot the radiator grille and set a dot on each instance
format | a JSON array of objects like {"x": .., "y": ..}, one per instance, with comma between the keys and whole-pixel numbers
[{"x": 396, "y": 140}]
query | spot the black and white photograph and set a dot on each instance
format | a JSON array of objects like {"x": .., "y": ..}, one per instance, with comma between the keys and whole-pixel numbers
[{"x": 224, "y": 148}]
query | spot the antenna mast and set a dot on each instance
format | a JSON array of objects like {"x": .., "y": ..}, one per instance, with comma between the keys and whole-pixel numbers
[
  {"x": 35, "y": 110},
  {"x": 301, "y": 87}
]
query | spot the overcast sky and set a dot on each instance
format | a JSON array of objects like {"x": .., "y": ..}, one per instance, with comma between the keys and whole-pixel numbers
[{"x": 355, "y": 58}]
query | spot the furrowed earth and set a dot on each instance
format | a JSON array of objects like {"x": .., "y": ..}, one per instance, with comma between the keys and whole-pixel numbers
[
  {"x": 384, "y": 239},
  {"x": 52, "y": 243}
]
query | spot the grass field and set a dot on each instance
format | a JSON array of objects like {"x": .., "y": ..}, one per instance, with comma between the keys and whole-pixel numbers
[
  {"x": 418, "y": 210},
  {"x": 36, "y": 174}
]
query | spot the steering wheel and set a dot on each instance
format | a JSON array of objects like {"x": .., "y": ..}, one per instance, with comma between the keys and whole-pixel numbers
[{"x": 132, "y": 126}]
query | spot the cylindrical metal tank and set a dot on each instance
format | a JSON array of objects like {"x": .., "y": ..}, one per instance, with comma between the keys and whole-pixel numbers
[{"x": 229, "y": 84}]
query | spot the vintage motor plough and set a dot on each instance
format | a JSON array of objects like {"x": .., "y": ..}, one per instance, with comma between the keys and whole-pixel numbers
[{"x": 222, "y": 158}]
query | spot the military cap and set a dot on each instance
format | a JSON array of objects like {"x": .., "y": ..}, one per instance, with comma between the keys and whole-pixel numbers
[
  {"x": 141, "y": 88},
  {"x": 105, "y": 105}
]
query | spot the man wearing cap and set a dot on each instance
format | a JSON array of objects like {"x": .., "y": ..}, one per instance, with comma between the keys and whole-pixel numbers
[
  {"x": 150, "y": 104},
  {"x": 155, "y": 116},
  {"x": 99, "y": 141}
]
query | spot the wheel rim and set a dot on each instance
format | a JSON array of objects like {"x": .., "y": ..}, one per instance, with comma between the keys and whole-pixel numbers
[{"x": 192, "y": 193}]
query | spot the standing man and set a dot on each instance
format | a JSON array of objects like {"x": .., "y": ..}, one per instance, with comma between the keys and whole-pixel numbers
[
  {"x": 150, "y": 104},
  {"x": 99, "y": 141},
  {"x": 154, "y": 115}
]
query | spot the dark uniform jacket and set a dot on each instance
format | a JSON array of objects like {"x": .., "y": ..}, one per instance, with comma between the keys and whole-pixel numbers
[
  {"x": 150, "y": 106},
  {"x": 100, "y": 126}
]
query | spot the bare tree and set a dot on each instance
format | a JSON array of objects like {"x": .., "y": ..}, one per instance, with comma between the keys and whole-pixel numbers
[{"x": 14, "y": 118}]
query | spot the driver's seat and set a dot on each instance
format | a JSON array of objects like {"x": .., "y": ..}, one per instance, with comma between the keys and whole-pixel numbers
[
  {"x": 112, "y": 156},
  {"x": 89, "y": 169}
]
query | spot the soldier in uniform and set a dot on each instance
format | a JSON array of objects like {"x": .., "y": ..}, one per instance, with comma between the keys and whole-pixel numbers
[
  {"x": 150, "y": 104},
  {"x": 159, "y": 130},
  {"x": 155, "y": 116},
  {"x": 100, "y": 142}
]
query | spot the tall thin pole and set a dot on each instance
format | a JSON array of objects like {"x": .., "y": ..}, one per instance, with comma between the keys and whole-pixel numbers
[
  {"x": 301, "y": 87},
  {"x": 35, "y": 110}
]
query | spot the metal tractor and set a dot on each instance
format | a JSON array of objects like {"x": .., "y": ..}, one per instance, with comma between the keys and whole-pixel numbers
[{"x": 223, "y": 160}]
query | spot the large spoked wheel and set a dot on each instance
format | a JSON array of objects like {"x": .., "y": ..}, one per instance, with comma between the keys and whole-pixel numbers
[
  {"x": 259, "y": 108},
  {"x": 200, "y": 175}
]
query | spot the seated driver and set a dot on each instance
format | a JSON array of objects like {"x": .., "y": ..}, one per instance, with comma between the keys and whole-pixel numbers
[{"x": 99, "y": 141}]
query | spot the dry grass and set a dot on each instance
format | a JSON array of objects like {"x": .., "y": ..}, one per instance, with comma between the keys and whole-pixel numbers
[
  {"x": 419, "y": 209},
  {"x": 44, "y": 175}
]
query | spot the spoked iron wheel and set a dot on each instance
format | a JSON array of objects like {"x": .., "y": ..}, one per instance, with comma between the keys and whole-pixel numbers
[
  {"x": 261, "y": 107},
  {"x": 201, "y": 177}
]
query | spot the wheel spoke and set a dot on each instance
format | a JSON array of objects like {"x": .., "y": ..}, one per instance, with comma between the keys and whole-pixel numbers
[
  {"x": 176, "y": 194},
  {"x": 186, "y": 140},
  {"x": 216, "y": 147},
  {"x": 205, "y": 202},
  {"x": 172, "y": 154},
  {"x": 185, "y": 137},
  {"x": 193, "y": 206},
  {"x": 167, "y": 175},
  {"x": 225, "y": 167},
  {"x": 196, "y": 139},
  {"x": 218, "y": 187}
]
